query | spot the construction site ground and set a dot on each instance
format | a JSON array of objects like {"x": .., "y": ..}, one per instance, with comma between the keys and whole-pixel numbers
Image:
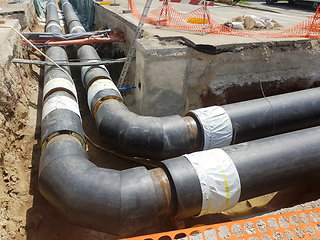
[
  {"x": 286, "y": 15},
  {"x": 25, "y": 214}
]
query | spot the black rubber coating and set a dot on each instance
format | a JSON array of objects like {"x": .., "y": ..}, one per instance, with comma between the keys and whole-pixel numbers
[
  {"x": 277, "y": 114},
  {"x": 150, "y": 137},
  {"x": 51, "y": 14},
  {"x": 61, "y": 121},
  {"x": 187, "y": 187},
  {"x": 70, "y": 16},
  {"x": 100, "y": 199},
  {"x": 79, "y": 189},
  {"x": 106, "y": 93},
  {"x": 278, "y": 162},
  {"x": 87, "y": 52},
  {"x": 159, "y": 138},
  {"x": 95, "y": 73}
]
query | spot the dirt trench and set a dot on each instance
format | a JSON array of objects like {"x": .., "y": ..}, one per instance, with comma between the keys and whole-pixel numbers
[{"x": 25, "y": 214}]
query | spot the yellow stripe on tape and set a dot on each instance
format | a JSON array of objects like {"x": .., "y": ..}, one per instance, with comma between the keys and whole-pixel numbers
[{"x": 226, "y": 184}]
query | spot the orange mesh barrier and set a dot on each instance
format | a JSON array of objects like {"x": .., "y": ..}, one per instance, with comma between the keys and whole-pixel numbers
[
  {"x": 295, "y": 225},
  {"x": 170, "y": 17}
]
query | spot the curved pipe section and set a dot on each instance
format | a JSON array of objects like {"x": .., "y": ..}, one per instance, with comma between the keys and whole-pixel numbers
[
  {"x": 206, "y": 128},
  {"x": 123, "y": 202}
]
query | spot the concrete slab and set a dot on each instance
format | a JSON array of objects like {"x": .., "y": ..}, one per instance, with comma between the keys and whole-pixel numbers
[{"x": 221, "y": 13}]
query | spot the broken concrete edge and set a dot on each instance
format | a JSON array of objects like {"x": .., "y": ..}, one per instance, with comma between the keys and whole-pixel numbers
[
  {"x": 218, "y": 49},
  {"x": 24, "y": 12},
  {"x": 5, "y": 37},
  {"x": 125, "y": 21}
]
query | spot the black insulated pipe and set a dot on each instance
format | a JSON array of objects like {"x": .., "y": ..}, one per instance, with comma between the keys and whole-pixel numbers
[
  {"x": 201, "y": 129},
  {"x": 123, "y": 202},
  {"x": 154, "y": 137},
  {"x": 118, "y": 202},
  {"x": 274, "y": 115}
]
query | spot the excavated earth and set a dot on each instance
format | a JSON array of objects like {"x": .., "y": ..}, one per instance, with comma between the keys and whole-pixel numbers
[{"x": 25, "y": 214}]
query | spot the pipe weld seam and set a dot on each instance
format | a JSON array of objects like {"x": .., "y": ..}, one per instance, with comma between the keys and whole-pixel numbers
[
  {"x": 58, "y": 84},
  {"x": 74, "y": 28},
  {"x": 60, "y": 102},
  {"x": 53, "y": 23},
  {"x": 104, "y": 100},
  {"x": 216, "y": 126},
  {"x": 99, "y": 85},
  {"x": 219, "y": 180},
  {"x": 65, "y": 3},
  {"x": 51, "y": 3},
  {"x": 85, "y": 70}
]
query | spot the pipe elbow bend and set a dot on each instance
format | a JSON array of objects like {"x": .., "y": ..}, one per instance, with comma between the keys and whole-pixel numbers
[
  {"x": 117, "y": 202},
  {"x": 143, "y": 136}
]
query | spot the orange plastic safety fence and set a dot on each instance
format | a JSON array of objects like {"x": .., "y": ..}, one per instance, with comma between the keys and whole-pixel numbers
[
  {"x": 170, "y": 17},
  {"x": 295, "y": 225}
]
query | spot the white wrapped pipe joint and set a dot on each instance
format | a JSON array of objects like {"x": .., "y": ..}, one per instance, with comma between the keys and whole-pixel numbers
[
  {"x": 216, "y": 126},
  {"x": 99, "y": 85},
  {"x": 86, "y": 69},
  {"x": 219, "y": 180},
  {"x": 60, "y": 102},
  {"x": 58, "y": 84}
]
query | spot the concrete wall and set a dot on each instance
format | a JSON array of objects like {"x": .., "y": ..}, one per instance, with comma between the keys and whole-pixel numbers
[
  {"x": 172, "y": 76},
  {"x": 161, "y": 77},
  {"x": 235, "y": 75},
  {"x": 174, "y": 81}
]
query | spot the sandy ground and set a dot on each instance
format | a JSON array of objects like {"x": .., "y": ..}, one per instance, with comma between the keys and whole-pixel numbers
[{"x": 25, "y": 214}]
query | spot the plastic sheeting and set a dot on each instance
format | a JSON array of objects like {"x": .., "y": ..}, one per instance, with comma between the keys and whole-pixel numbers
[
  {"x": 40, "y": 6},
  {"x": 219, "y": 180},
  {"x": 85, "y": 12},
  {"x": 217, "y": 126}
]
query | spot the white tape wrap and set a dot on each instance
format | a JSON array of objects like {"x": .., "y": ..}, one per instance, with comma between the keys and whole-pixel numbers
[
  {"x": 52, "y": 4},
  {"x": 65, "y": 3},
  {"x": 219, "y": 179},
  {"x": 84, "y": 70},
  {"x": 59, "y": 83},
  {"x": 77, "y": 27},
  {"x": 98, "y": 86},
  {"x": 53, "y": 24},
  {"x": 217, "y": 126},
  {"x": 60, "y": 102}
]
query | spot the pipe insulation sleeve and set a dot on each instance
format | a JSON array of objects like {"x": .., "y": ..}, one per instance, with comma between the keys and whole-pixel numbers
[
  {"x": 95, "y": 74},
  {"x": 216, "y": 126},
  {"x": 99, "y": 85},
  {"x": 74, "y": 28},
  {"x": 58, "y": 84},
  {"x": 51, "y": 3},
  {"x": 156, "y": 137},
  {"x": 85, "y": 70},
  {"x": 273, "y": 115},
  {"x": 55, "y": 24},
  {"x": 60, "y": 102},
  {"x": 187, "y": 187},
  {"x": 64, "y": 4},
  {"x": 278, "y": 162},
  {"x": 219, "y": 179},
  {"x": 80, "y": 190}
]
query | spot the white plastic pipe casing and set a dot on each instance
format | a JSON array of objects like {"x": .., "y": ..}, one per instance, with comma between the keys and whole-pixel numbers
[
  {"x": 60, "y": 102},
  {"x": 219, "y": 180},
  {"x": 216, "y": 125},
  {"x": 99, "y": 85}
]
